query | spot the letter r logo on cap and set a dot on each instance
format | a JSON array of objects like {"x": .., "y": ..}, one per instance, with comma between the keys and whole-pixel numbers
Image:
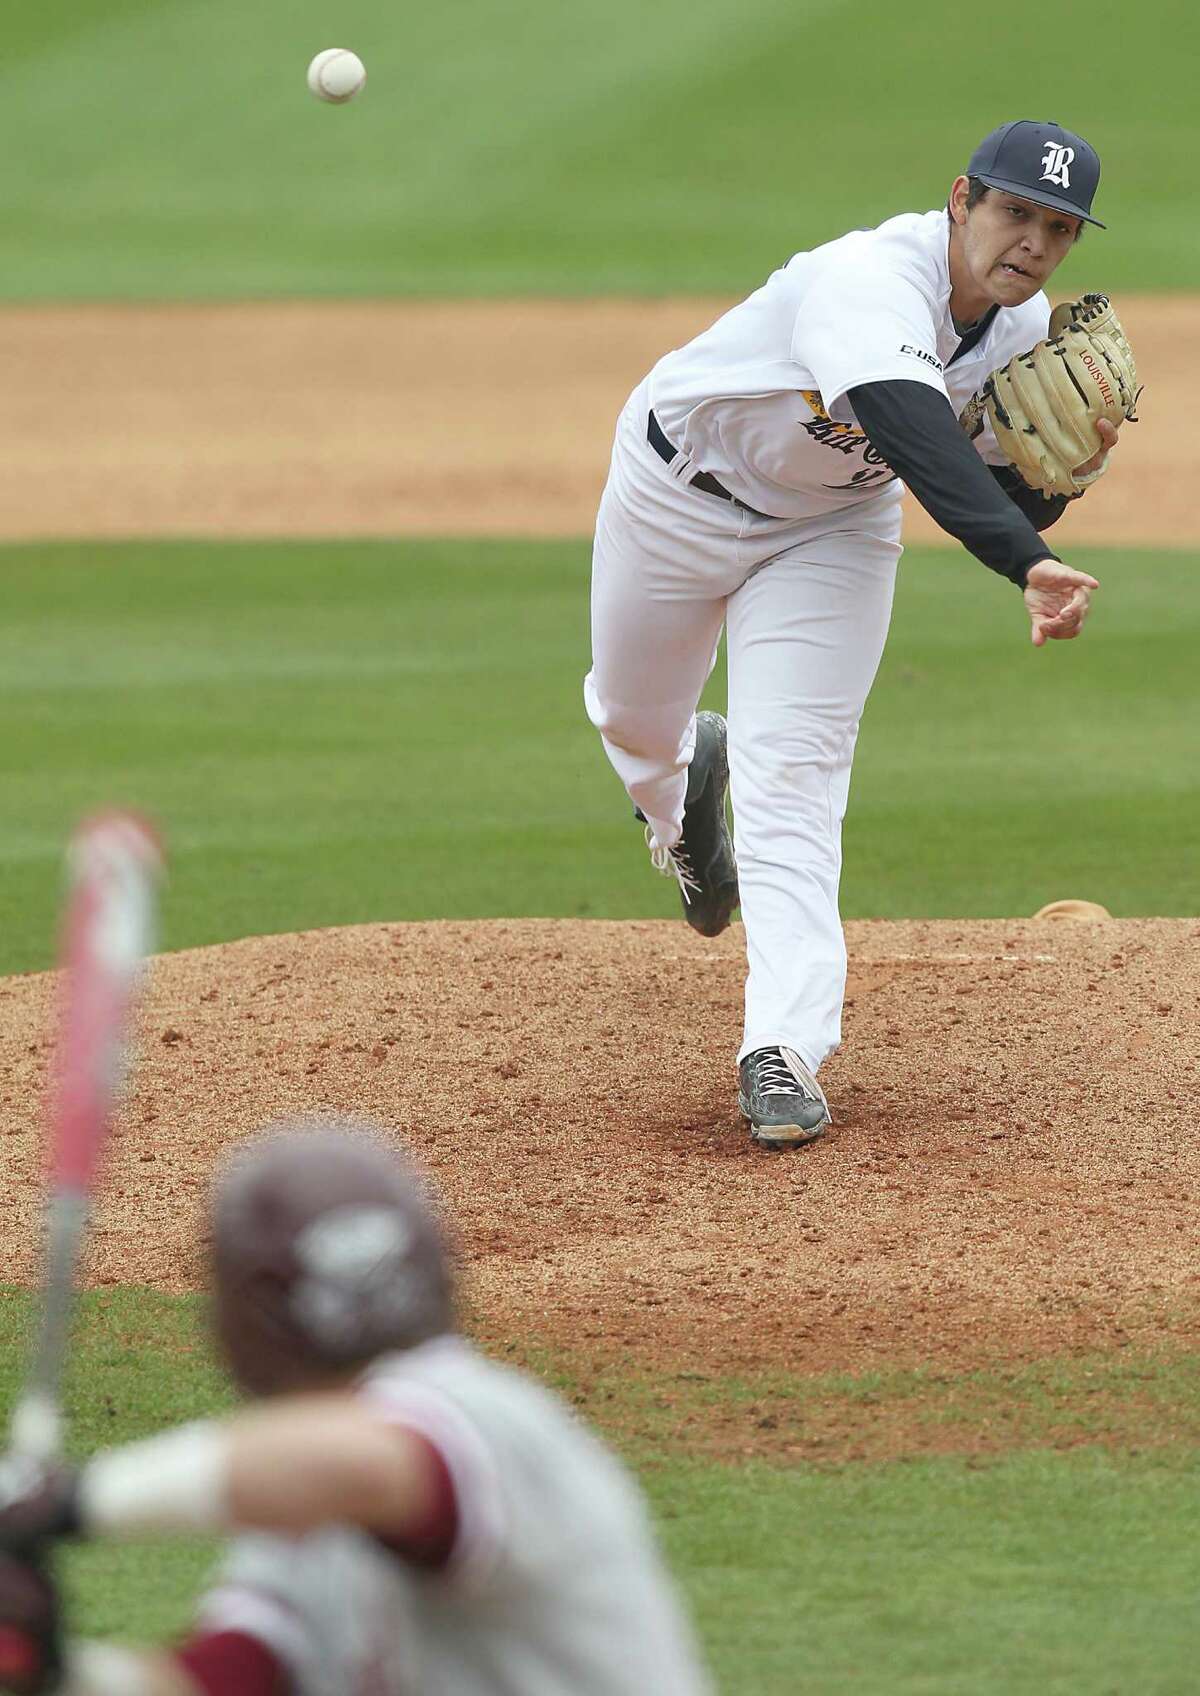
[{"x": 1054, "y": 165}]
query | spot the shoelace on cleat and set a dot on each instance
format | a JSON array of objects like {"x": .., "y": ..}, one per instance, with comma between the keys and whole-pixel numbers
[
  {"x": 774, "y": 1076},
  {"x": 673, "y": 862}
]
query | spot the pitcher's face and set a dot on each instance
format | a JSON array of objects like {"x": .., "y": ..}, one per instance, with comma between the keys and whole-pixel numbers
[{"x": 1004, "y": 249}]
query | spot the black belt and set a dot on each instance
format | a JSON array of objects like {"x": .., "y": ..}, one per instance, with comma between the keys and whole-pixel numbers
[{"x": 702, "y": 479}]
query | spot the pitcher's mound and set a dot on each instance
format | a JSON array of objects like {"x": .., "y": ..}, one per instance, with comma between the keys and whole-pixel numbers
[{"x": 1012, "y": 1168}]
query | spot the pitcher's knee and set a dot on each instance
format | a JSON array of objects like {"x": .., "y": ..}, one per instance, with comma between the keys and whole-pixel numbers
[
  {"x": 772, "y": 768},
  {"x": 654, "y": 735},
  {"x": 785, "y": 789}
]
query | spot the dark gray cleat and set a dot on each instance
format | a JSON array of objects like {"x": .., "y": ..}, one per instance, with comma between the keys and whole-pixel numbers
[
  {"x": 783, "y": 1101},
  {"x": 702, "y": 861}
]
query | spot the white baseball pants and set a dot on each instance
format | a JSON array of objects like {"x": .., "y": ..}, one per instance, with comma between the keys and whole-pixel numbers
[{"x": 806, "y": 604}]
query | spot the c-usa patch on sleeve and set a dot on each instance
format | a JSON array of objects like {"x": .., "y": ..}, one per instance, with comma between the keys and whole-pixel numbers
[{"x": 920, "y": 353}]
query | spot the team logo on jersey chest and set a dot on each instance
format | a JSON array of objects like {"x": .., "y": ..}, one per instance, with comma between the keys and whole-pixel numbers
[
  {"x": 1055, "y": 166},
  {"x": 845, "y": 439}
]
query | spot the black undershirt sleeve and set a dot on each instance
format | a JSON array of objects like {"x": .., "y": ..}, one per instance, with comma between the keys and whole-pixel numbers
[
  {"x": 914, "y": 428},
  {"x": 1041, "y": 510}
]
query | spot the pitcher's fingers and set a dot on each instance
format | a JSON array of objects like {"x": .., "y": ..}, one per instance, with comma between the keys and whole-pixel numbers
[
  {"x": 1076, "y": 608},
  {"x": 1066, "y": 620},
  {"x": 1069, "y": 618}
]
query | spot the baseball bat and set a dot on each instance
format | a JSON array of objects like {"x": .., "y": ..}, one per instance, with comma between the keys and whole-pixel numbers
[{"x": 114, "y": 868}]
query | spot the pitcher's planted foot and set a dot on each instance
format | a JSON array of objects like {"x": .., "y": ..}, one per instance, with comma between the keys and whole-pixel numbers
[{"x": 783, "y": 1101}]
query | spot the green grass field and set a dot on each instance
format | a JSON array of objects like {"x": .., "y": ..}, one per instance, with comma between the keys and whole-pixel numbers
[
  {"x": 334, "y": 734},
  {"x": 163, "y": 148},
  {"x": 1037, "y": 1570}
]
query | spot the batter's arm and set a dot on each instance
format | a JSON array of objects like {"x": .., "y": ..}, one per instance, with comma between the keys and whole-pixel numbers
[
  {"x": 106, "y": 1669},
  {"x": 227, "y": 1663},
  {"x": 912, "y": 425},
  {"x": 311, "y": 1460},
  {"x": 285, "y": 1466}
]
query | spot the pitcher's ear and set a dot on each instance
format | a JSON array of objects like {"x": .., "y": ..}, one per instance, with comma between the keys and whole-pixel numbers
[{"x": 956, "y": 206}]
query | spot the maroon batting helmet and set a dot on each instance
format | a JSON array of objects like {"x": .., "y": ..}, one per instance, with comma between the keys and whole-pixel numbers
[{"x": 326, "y": 1252}]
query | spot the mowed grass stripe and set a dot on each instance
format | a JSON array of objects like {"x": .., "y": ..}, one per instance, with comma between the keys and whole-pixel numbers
[
  {"x": 142, "y": 1358},
  {"x": 1025, "y": 1572},
  {"x": 164, "y": 149},
  {"x": 341, "y": 733},
  {"x": 1125, "y": 1401}
]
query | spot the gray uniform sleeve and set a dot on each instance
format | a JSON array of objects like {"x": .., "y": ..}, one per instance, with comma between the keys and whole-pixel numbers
[{"x": 914, "y": 428}]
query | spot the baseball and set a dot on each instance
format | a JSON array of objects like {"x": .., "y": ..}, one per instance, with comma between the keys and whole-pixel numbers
[{"x": 336, "y": 75}]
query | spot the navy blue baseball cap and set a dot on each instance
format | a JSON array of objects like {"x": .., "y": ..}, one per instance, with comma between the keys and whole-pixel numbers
[{"x": 1040, "y": 162}]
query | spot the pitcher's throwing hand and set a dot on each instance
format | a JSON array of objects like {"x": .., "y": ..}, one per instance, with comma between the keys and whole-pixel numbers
[{"x": 1058, "y": 600}]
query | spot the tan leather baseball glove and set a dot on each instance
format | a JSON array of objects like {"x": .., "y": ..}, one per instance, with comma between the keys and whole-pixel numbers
[{"x": 1044, "y": 404}]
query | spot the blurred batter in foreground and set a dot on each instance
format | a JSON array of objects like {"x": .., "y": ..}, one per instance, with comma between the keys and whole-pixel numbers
[{"x": 407, "y": 1517}]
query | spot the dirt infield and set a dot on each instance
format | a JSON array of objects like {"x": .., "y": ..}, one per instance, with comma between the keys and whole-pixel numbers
[
  {"x": 1013, "y": 1167},
  {"x": 1012, "y": 1171},
  {"x": 488, "y": 419}
]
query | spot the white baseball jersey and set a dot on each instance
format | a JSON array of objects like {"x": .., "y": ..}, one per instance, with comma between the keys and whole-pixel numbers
[
  {"x": 759, "y": 400},
  {"x": 554, "y": 1587}
]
